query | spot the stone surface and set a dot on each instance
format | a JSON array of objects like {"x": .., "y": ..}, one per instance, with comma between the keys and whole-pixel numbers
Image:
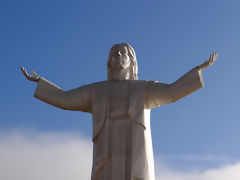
[{"x": 120, "y": 107}]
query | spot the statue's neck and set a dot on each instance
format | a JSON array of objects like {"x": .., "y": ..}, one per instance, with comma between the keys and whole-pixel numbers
[{"x": 120, "y": 74}]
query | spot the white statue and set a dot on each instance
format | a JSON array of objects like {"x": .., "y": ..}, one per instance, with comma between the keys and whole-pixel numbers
[{"x": 120, "y": 107}]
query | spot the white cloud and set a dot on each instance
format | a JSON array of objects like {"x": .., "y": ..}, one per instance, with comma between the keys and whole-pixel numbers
[
  {"x": 191, "y": 157},
  {"x": 36, "y": 156},
  {"x": 229, "y": 172},
  {"x": 63, "y": 156}
]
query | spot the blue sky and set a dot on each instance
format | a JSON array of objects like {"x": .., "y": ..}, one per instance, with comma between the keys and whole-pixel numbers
[{"x": 67, "y": 42}]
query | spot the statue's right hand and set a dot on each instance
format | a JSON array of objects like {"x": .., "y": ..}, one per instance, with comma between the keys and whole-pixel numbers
[{"x": 34, "y": 78}]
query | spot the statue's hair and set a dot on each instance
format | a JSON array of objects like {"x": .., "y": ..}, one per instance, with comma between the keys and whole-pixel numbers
[{"x": 133, "y": 61}]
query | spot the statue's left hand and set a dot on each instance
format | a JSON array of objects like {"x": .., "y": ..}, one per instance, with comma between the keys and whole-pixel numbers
[
  {"x": 34, "y": 78},
  {"x": 209, "y": 62}
]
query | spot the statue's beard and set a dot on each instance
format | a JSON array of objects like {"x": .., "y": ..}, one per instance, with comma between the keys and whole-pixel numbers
[{"x": 121, "y": 64}]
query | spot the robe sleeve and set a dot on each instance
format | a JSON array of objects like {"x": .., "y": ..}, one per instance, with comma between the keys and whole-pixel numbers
[
  {"x": 78, "y": 99},
  {"x": 159, "y": 93}
]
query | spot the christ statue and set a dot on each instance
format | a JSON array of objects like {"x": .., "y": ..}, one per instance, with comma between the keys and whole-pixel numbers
[{"x": 120, "y": 108}]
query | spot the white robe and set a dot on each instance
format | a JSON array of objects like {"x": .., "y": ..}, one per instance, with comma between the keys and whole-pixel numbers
[{"x": 121, "y": 136}]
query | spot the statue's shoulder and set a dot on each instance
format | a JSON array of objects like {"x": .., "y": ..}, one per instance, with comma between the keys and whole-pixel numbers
[
  {"x": 93, "y": 86},
  {"x": 149, "y": 83},
  {"x": 99, "y": 89},
  {"x": 145, "y": 82},
  {"x": 152, "y": 83},
  {"x": 138, "y": 83},
  {"x": 99, "y": 86},
  {"x": 100, "y": 83}
]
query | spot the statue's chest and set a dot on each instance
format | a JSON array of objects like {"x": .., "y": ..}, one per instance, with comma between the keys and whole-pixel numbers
[{"x": 119, "y": 98}]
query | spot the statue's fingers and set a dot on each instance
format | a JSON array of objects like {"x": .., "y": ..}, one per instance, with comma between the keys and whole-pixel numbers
[
  {"x": 209, "y": 60},
  {"x": 212, "y": 55},
  {"x": 212, "y": 58},
  {"x": 215, "y": 56},
  {"x": 35, "y": 74},
  {"x": 24, "y": 71}
]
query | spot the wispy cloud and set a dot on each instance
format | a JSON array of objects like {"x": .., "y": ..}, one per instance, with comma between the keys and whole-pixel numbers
[
  {"x": 192, "y": 157},
  {"x": 228, "y": 172},
  {"x": 36, "y": 156}
]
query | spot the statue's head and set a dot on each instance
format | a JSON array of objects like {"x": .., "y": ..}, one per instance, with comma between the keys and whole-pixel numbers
[{"x": 122, "y": 58}]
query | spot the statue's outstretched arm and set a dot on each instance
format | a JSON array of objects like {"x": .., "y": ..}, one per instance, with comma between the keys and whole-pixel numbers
[
  {"x": 78, "y": 99},
  {"x": 192, "y": 80},
  {"x": 158, "y": 93}
]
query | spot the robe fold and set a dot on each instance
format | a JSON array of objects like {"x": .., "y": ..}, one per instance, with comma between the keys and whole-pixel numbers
[{"x": 135, "y": 160}]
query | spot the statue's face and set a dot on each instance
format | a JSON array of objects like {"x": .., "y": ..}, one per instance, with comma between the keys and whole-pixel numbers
[{"x": 119, "y": 58}]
